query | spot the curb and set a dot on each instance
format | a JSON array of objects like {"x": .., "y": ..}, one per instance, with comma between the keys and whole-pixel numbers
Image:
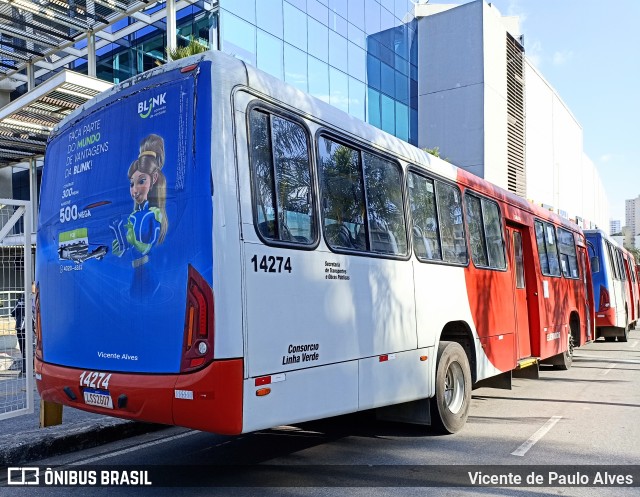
[{"x": 57, "y": 440}]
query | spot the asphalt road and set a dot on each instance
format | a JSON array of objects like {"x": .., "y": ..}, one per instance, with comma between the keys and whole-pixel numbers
[{"x": 575, "y": 423}]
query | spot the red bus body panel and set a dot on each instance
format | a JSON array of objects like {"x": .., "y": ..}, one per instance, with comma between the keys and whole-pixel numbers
[
  {"x": 215, "y": 406},
  {"x": 548, "y": 311}
]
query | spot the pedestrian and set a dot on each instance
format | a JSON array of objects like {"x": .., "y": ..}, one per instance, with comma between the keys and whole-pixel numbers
[{"x": 18, "y": 313}]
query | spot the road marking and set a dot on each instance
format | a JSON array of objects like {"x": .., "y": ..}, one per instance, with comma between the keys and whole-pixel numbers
[
  {"x": 91, "y": 460},
  {"x": 633, "y": 346},
  {"x": 524, "y": 448},
  {"x": 603, "y": 359},
  {"x": 609, "y": 368}
]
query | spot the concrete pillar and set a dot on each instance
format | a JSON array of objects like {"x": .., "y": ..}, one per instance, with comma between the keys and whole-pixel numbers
[
  {"x": 31, "y": 77},
  {"x": 91, "y": 54},
  {"x": 33, "y": 191},
  {"x": 171, "y": 26}
]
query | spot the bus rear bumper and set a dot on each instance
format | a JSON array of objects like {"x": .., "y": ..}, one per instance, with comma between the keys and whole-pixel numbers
[
  {"x": 606, "y": 318},
  {"x": 209, "y": 399}
]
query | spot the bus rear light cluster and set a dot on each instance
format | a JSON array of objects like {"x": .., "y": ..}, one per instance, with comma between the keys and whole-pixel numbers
[
  {"x": 605, "y": 303},
  {"x": 38, "y": 325},
  {"x": 197, "y": 347}
]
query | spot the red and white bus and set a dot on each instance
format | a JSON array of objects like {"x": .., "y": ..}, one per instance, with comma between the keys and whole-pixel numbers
[
  {"x": 221, "y": 251},
  {"x": 629, "y": 265}
]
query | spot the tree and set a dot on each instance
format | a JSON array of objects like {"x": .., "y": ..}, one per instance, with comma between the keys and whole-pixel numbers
[
  {"x": 435, "y": 151},
  {"x": 636, "y": 253},
  {"x": 194, "y": 47}
]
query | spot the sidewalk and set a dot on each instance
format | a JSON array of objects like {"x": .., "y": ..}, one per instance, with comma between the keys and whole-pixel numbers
[{"x": 21, "y": 439}]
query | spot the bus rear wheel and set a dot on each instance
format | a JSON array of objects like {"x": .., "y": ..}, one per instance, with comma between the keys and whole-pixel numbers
[
  {"x": 566, "y": 359},
  {"x": 625, "y": 332},
  {"x": 450, "y": 406},
  {"x": 625, "y": 335}
]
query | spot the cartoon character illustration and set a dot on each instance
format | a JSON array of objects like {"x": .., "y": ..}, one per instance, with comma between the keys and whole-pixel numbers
[{"x": 147, "y": 225}]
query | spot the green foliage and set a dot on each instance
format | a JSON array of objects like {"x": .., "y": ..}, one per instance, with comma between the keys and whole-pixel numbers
[
  {"x": 433, "y": 151},
  {"x": 636, "y": 253},
  {"x": 194, "y": 47},
  {"x": 436, "y": 152}
]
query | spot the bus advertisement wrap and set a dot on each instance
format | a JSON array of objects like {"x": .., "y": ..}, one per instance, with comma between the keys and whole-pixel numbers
[{"x": 114, "y": 248}]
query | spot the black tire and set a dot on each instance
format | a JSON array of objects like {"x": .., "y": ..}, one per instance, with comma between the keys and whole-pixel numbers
[
  {"x": 450, "y": 405},
  {"x": 625, "y": 333},
  {"x": 567, "y": 356}
]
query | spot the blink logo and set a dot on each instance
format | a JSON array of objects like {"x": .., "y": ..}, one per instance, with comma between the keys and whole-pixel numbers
[{"x": 155, "y": 105}]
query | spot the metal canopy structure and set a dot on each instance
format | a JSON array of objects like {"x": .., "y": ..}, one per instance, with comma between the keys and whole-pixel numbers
[
  {"x": 38, "y": 37},
  {"x": 43, "y": 32},
  {"x": 25, "y": 124},
  {"x": 43, "y": 35}
]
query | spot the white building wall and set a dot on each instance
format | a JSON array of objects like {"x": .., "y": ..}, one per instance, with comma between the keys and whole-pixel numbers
[
  {"x": 495, "y": 97},
  {"x": 541, "y": 174},
  {"x": 450, "y": 83},
  {"x": 462, "y": 92},
  {"x": 559, "y": 174},
  {"x": 595, "y": 204}
]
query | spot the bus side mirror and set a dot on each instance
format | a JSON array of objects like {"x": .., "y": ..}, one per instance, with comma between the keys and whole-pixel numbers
[{"x": 595, "y": 265}]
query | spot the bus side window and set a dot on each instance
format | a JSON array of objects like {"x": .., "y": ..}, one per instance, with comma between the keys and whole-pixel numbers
[
  {"x": 425, "y": 231},
  {"x": 454, "y": 243},
  {"x": 383, "y": 184},
  {"x": 547, "y": 249},
  {"x": 476, "y": 231},
  {"x": 552, "y": 250},
  {"x": 362, "y": 199},
  {"x": 542, "y": 248},
  {"x": 568, "y": 257},
  {"x": 281, "y": 171},
  {"x": 615, "y": 271},
  {"x": 485, "y": 232},
  {"x": 623, "y": 272},
  {"x": 343, "y": 207},
  {"x": 593, "y": 258}
]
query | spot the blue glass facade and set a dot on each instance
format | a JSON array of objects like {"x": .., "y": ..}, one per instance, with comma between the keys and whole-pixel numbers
[
  {"x": 358, "y": 55},
  {"x": 144, "y": 49}
]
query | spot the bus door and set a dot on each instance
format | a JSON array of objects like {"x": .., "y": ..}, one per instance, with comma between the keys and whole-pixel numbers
[
  {"x": 617, "y": 289},
  {"x": 588, "y": 290},
  {"x": 631, "y": 290},
  {"x": 518, "y": 257}
]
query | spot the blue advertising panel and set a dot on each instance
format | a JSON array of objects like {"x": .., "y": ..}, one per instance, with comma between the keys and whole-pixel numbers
[{"x": 125, "y": 209}]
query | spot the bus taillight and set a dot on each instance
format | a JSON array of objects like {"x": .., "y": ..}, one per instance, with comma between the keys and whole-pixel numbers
[
  {"x": 604, "y": 299},
  {"x": 197, "y": 347},
  {"x": 38, "y": 326}
]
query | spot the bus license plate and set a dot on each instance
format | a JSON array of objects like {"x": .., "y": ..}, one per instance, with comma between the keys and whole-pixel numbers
[{"x": 98, "y": 398}]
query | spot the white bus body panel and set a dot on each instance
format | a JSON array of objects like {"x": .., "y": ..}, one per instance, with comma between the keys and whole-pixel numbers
[
  {"x": 302, "y": 395},
  {"x": 227, "y": 261},
  {"x": 395, "y": 378},
  {"x": 381, "y": 309}
]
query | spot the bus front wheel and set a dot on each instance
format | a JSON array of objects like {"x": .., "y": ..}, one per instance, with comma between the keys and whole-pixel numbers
[{"x": 450, "y": 406}]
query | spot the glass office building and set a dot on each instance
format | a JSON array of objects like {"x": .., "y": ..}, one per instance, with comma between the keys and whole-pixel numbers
[{"x": 358, "y": 55}]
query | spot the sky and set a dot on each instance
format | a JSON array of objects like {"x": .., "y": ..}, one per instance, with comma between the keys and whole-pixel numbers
[{"x": 588, "y": 51}]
